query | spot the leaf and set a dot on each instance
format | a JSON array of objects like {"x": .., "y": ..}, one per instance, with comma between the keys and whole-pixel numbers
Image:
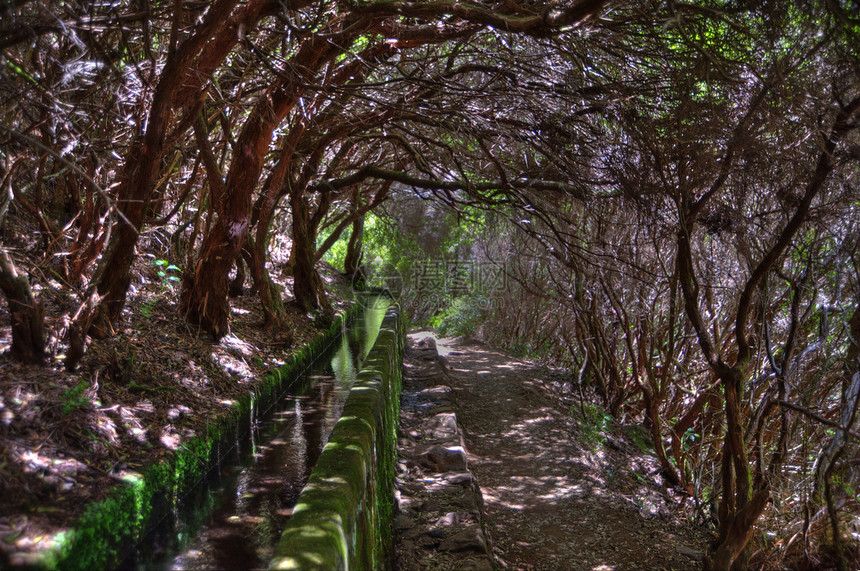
[{"x": 174, "y": 268}]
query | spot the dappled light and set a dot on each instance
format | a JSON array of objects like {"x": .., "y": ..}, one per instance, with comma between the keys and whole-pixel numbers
[
  {"x": 633, "y": 228},
  {"x": 551, "y": 501}
]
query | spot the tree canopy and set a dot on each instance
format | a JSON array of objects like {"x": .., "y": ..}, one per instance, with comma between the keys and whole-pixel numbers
[{"x": 671, "y": 189}]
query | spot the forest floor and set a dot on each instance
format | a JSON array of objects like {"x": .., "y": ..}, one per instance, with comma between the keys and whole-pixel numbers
[
  {"x": 66, "y": 439},
  {"x": 563, "y": 491}
]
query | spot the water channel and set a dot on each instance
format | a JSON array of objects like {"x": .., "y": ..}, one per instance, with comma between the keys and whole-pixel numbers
[{"x": 233, "y": 518}]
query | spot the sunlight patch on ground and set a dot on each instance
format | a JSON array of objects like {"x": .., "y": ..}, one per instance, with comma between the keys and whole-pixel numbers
[
  {"x": 234, "y": 342},
  {"x": 169, "y": 438},
  {"x": 232, "y": 365},
  {"x": 491, "y": 496},
  {"x": 34, "y": 462},
  {"x": 528, "y": 421}
]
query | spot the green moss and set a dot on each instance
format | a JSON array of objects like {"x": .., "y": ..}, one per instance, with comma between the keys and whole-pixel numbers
[
  {"x": 640, "y": 436},
  {"x": 107, "y": 529}
]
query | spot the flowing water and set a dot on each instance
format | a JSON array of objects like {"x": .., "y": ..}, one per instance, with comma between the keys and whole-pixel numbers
[{"x": 233, "y": 518}]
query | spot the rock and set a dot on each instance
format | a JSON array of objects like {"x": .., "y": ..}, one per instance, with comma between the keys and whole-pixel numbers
[
  {"x": 460, "y": 478},
  {"x": 405, "y": 503},
  {"x": 470, "y": 539},
  {"x": 439, "y": 391},
  {"x": 438, "y": 533},
  {"x": 427, "y": 542},
  {"x": 466, "y": 501},
  {"x": 447, "y": 520},
  {"x": 443, "y": 425},
  {"x": 455, "y": 518},
  {"x": 443, "y": 458}
]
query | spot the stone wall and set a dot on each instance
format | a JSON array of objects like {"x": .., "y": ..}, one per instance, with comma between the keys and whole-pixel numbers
[
  {"x": 343, "y": 516},
  {"x": 439, "y": 523}
]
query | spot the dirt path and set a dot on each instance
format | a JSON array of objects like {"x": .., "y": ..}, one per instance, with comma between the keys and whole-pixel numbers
[{"x": 549, "y": 503}]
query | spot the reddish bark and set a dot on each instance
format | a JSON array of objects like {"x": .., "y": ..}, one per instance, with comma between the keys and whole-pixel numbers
[
  {"x": 184, "y": 74},
  {"x": 28, "y": 329},
  {"x": 354, "y": 252},
  {"x": 303, "y": 255},
  {"x": 743, "y": 501},
  {"x": 204, "y": 299}
]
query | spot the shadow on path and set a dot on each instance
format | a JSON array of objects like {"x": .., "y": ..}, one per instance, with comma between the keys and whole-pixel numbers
[{"x": 549, "y": 502}]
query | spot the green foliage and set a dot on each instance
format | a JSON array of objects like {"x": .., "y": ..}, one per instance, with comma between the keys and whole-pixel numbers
[
  {"x": 385, "y": 244},
  {"x": 168, "y": 274},
  {"x": 360, "y": 43},
  {"x": 640, "y": 436},
  {"x": 336, "y": 255},
  {"x": 462, "y": 317},
  {"x": 594, "y": 423},
  {"x": 73, "y": 398}
]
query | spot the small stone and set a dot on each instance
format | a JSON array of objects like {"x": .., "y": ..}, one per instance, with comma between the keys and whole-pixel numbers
[
  {"x": 427, "y": 542},
  {"x": 456, "y": 518},
  {"x": 443, "y": 459},
  {"x": 471, "y": 539},
  {"x": 437, "y": 391},
  {"x": 466, "y": 501},
  {"x": 405, "y": 503},
  {"x": 460, "y": 478},
  {"x": 428, "y": 342},
  {"x": 414, "y": 532},
  {"x": 443, "y": 425},
  {"x": 447, "y": 520}
]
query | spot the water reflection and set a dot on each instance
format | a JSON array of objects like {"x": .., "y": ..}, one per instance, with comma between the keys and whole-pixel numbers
[{"x": 233, "y": 520}]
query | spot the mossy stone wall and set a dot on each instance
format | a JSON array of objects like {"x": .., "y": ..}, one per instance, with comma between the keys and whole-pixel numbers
[
  {"x": 109, "y": 529},
  {"x": 343, "y": 516}
]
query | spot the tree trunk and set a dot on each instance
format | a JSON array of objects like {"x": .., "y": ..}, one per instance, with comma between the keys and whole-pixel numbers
[
  {"x": 269, "y": 292},
  {"x": 264, "y": 211},
  {"x": 354, "y": 253},
  {"x": 185, "y": 70},
  {"x": 28, "y": 329},
  {"x": 237, "y": 285},
  {"x": 728, "y": 555},
  {"x": 207, "y": 306},
  {"x": 204, "y": 298},
  {"x": 304, "y": 248}
]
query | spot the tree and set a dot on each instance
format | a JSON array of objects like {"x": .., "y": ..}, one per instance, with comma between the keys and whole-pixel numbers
[{"x": 28, "y": 328}]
